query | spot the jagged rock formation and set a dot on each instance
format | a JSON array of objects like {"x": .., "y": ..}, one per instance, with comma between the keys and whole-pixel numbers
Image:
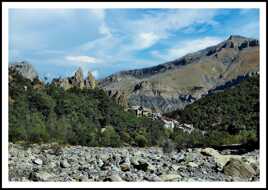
[
  {"x": 25, "y": 69},
  {"x": 90, "y": 81},
  {"x": 76, "y": 81},
  {"x": 173, "y": 85}
]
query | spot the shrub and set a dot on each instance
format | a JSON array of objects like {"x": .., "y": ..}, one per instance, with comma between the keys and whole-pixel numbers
[
  {"x": 141, "y": 141},
  {"x": 110, "y": 137}
]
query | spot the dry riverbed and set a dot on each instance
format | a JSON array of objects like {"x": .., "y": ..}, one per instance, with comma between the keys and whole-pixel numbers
[{"x": 50, "y": 162}]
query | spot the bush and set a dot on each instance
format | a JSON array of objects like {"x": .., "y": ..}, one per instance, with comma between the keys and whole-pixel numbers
[
  {"x": 110, "y": 137},
  {"x": 141, "y": 141}
]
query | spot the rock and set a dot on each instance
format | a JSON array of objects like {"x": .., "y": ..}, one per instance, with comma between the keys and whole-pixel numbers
[
  {"x": 115, "y": 178},
  {"x": 125, "y": 166},
  {"x": 90, "y": 81},
  {"x": 38, "y": 161},
  {"x": 252, "y": 161},
  {"x": 221, "y": 160},
  {"x": 209, "y": 152},
  {"x": 83, "y": 178},
  {"x": 104, "y": 157},
  {"x": 25, "y": 69},
  {"x": 76, "y": 81},
  {"x": 41, "y": 176},
  {"x": 78, "y": 78},
  {"x": 152, "y": 177},
  {"x": 175, "y": 167},
  {"x": 143, "y": 165},
  {"x": 100, "y": 163},
  {"x": 134, "y": 160},
  {"x": 170, "y": 177},
  {"x": 192, "y": 165},
  {"x": 79, "y": 163},
  {"x": 178, "y": 157},
  {"x": 64, "y": 164},
  {"x": 151, "y": 168},
  {"x": 52, "y": 165},
  {"x": 237, "y": 168}
]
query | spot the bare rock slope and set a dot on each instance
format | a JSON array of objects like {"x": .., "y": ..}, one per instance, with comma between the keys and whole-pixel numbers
[{"x": 175, "y": 84}]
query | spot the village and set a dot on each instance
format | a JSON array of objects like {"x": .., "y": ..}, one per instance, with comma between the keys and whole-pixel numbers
[{"x": 141, "y": 111}]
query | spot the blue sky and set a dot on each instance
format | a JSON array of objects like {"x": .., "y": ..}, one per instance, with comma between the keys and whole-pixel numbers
[{"x": 105, "y": 41}]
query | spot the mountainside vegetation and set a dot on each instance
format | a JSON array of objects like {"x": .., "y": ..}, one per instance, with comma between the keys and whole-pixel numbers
[
  {"x": 231, "y": 116},
  {"x": 74, "y": 116}
]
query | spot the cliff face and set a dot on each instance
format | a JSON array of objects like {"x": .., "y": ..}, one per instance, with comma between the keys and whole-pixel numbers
[
  {"x": 175, "y": 84},
  {"x": 76, "y": 81},
  {"x": 25, "y": 69}
]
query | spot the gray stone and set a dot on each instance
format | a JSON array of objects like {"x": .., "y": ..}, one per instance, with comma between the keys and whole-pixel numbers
[
  {"x": 170, "y": 177},
  {"x": 115, "y": 178},
  {"x": 64, "y": 164},
  {"x": 38, "y": 161},
  {"x": 237, "y": 168},
  {"x": 125, "y": 166},
  {"x": 42, "y": 176},
  {"x": 192, "y": 165}
]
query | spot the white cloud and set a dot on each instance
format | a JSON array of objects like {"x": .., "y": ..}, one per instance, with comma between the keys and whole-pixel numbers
[
  {"x": 145, "y": 40},
  {"x": 186, "y": 47},
  {"x": 163, "y": 24},
  {"x": 123, "y": 37},
  {"x": 82, "y": 59}
]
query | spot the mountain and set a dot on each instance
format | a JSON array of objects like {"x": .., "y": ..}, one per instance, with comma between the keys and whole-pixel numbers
[
  {"x": 25, "y": 69},
  {"x": 175, "y": 84}
]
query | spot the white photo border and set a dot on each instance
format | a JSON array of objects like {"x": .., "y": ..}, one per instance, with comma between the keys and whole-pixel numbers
[{"x": 73, "y": 5}]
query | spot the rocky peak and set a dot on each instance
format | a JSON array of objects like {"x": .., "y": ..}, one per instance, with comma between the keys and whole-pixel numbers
[
  {"x": 90, "y": 81},
  {"x": 25, "y": 69},
  {"x": 76, "y": 81},
  {"x": 78, "y": 78},
  {"x": 79, "y": 74},
  {"x": 241, "y": 42}
]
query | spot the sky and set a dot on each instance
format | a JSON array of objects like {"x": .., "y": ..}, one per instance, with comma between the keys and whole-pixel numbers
[{"x": 105, "y": 41}]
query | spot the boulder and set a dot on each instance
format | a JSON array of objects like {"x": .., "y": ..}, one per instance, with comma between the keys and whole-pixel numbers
[
  {"x": 64, "y": 164},
  {"x": 115, "y": 177},
  {"x": 238, "y": 168},
  {"x": 125, "y": 166},
  {"x": 192, "y": 165},
  {"x": 151, "y": 168},
  {"x": 38, "y": 161},
  {"x": 142, "y": 165},
  {"x": 170, "y": 177},
  {"x": 41, "y": 176},
  {"x": 134, "y": 160},
  {"x": 221, "y": 160}
]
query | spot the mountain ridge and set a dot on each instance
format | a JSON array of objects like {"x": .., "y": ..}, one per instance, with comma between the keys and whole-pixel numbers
[{"x": 164, "y": 87}]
